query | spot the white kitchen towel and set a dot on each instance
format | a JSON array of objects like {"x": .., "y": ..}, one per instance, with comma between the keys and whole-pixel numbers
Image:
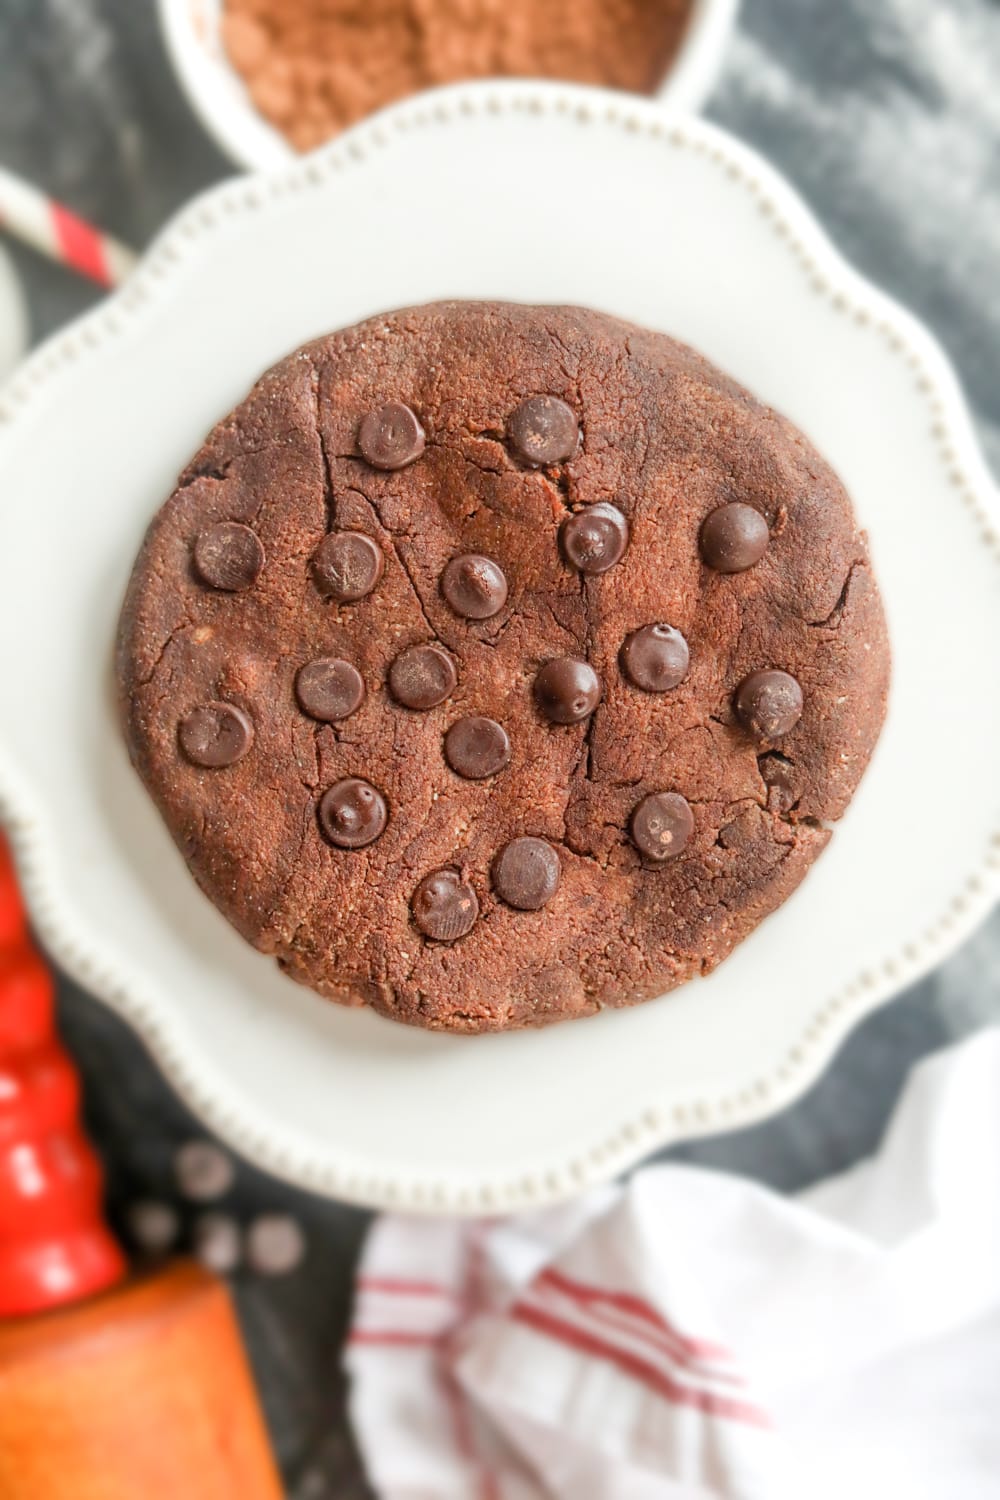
[{"x": 691, "y": 1334}]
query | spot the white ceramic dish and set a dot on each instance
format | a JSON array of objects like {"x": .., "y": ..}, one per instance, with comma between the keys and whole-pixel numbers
[
  {"x": 686, "y": 231},
  {"x": 13, "y": 316},
  {"x": 217, "y": 94}
]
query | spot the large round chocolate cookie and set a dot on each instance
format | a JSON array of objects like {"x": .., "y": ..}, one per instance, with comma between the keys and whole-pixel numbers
[{"x": 493, "y": 664}]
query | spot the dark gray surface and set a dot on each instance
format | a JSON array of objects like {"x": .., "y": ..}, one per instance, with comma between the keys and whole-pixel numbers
[{"x": 886, "y": 115}]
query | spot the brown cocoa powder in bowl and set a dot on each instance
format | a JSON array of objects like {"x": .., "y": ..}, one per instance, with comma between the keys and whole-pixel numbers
[{"x": 313, "y": 67}]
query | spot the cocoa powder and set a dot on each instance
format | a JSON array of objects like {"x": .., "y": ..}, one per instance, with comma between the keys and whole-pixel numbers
[{"x": 313, "y": 67}]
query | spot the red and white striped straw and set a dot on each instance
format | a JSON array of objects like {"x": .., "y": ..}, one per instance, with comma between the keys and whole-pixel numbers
[{"x": 32, "y": 216}]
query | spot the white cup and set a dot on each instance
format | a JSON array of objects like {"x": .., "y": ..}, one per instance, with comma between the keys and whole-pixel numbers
[{"x": 219, "y": 98}]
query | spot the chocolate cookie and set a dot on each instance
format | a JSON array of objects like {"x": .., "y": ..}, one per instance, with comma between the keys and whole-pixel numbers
[{"x": 494, "y": 664}]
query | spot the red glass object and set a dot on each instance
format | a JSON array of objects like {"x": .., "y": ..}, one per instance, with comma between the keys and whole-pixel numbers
[{"x": 54, "y": 1246}]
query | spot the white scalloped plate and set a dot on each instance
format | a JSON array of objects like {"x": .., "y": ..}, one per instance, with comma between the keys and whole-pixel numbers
[{"x": 535, "y": 193}]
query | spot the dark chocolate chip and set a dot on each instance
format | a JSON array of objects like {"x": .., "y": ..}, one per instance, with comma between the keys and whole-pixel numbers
[
  {"x": 422, "y": 677},
  {"x": 476, "y": 747},
  {"x": 153, "y": 1227},
  {"x": 313, "y": 1485},
  {"x": 217, "y": 1242},
  {"x": 391, "y": 437},
  {"x": 733, "y": 538},
  {"x": 593, "y": 540},
  {"x": 228, "y": 556},
  {"x": 526, "y": 873},
  {"x": 275, "y": 1245},
  {"x": 444, "y": 906},
  {"x": 474, "y": 586},
  {"x": 544, "y": 430},
  {"x": 215, "y": 735},
  {"x": 203, "y": 1171},
  {"x": 352, "y": 813},
  {"x": 329, "y": 688},
  {"x": 655, "y": 658},
  {"x": 769, "y": 703},
  {"x": 661, "y": 825},
  {"x": 567, "y": 690},
  {"x": 347, "y": 565}
]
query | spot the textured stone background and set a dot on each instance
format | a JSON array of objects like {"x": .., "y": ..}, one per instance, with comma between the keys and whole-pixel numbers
[{"x": 886, "y": 116}]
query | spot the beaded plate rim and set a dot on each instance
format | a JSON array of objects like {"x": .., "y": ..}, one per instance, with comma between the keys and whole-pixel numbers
[{"x": 830, "y": 277}]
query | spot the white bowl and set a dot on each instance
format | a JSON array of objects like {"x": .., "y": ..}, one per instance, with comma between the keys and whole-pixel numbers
[
  {"x": 218, "y": 96},
  {"x": 687, "y": 231}
]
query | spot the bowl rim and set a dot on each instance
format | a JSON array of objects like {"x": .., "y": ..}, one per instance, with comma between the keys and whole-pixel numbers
[
  {"x": 251, "y": 142},
  {"x": 800, "y": 1057}
]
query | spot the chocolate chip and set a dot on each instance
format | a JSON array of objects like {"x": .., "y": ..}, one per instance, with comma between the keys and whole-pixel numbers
[
  {"x": 313, "y": 1484},
  {"x": 347, "y": 565},
  {"x": 215, "y": 735},
  {"x": 153, "y": 1227},
  {"x": 352, "y": 813},
  {"x": 733, "y": 538},
  {"x": 391, "y": 437},
  {"x": 476, "y": 747},
  {"x": 655, "y": 658},
  {"x": 329, "y": 688},
  {"x": 217, "y": 1242},
  {"x": 474, "y": 586},
  {"x": 544, "y": 430},
  {"x": 526, "y": 873},
  {"x": 203, "y": 1171},
  {"x": 769, "y": 703},
  {"x": 444, "y": 906},
  {"x": 228, "y": 556},
  {"x": 661, "y": 825},
  {"x": 567, "y": 690},
  {"x": 422, "y": 677},
  {"x": 275, "y": 1245},
  {"x": 593, "y": 540}
]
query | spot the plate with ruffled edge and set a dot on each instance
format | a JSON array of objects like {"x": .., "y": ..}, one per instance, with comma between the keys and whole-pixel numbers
[{"x": 532, "y": 193}]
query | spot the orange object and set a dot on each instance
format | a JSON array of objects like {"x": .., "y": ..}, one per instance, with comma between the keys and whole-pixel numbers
[
  {"x": 142, "y": 1393},
  {"x": 110, "y": 1388}
]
